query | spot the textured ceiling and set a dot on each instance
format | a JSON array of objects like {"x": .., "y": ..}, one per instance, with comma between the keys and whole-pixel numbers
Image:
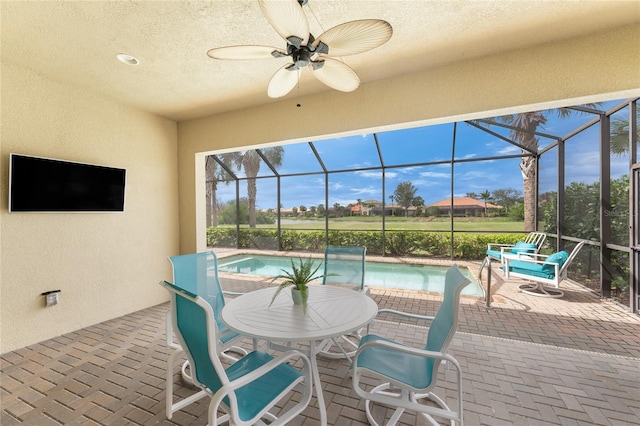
[{"x": 75, "y": 43}]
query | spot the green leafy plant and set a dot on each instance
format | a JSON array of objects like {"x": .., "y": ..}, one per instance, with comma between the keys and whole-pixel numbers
[{"x": 300, "y": 275}]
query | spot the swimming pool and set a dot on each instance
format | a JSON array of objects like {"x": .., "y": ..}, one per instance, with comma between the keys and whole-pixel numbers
[{"x": 377, "y": 274}]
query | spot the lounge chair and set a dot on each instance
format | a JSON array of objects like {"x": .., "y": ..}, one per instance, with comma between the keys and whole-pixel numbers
[
  {"x": 409, "y": 375},
  {"x": 343, "y": 266},
  {"x": 542, "y": 270},
  {"x": 530, "y": 245},
  {"x": 246, "y": 390}
]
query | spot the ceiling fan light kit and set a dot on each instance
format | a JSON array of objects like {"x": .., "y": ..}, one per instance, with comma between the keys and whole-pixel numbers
[{"x": 305, "y": 51}]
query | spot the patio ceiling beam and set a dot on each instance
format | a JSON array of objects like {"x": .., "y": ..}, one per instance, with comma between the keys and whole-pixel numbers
[
  {"x": 375, "y": 138},
  {"x": 518, "y": 129},
  {"x": 268, "y": 163},
  {"x": 384, "y": 193},
  {"x": 499, "y": 136},
  {"x": 586, "y": 109},
  {"x": 549, "y": 148},
  {"x": 502, "y": 157},
  {"x": 315, "y": 152},
  {"x": 585, "y": 126},
  {"x": 224, "y": 167},
  {"x": 326, "y": 191},
  {"x": 621, "y": 105}
]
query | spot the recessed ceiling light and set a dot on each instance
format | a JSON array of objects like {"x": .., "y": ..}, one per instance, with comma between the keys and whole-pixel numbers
[{"x": 127, "y": 59}]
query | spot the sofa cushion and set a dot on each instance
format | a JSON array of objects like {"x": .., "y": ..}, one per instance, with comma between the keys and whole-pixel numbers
[
  {"x": 529, "y": 268},
  {"x": 559, "y": 258},
  {"x": 522, "y": 247},
  {"x": 496, "y": 254}
]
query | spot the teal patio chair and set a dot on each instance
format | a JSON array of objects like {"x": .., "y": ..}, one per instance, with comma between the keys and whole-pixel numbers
[
  {"x": 198, "y": 273},
  {"x": 531, "y": 244},
  {"x": 409, "y": 375},
  {"x": 542, "y": 270},
  {"x": 343, "y": 266},
  {"x": 246, "y": 390}
]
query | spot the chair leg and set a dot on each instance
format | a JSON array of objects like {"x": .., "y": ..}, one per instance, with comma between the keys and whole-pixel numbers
[
  {"x": 331, "y": 348},
  {"x": 537, "y": 289},
  {"x": 403, "y": 394},
  {"x": 172, "y": 407}
]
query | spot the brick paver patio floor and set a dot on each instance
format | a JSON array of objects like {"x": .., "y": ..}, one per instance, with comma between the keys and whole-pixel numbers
[{"x": 526, "y": 361}]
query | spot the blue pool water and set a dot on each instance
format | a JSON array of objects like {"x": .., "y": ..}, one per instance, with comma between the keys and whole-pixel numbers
[{"x": 377, "y": 274}]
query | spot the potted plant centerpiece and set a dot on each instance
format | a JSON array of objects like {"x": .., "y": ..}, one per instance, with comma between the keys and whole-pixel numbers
[{"x": 300, "y": 275}]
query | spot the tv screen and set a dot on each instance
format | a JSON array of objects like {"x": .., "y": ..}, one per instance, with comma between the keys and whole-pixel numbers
[{"x": 47, "y": 185}]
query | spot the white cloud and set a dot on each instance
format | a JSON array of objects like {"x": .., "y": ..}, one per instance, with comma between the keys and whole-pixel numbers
[
  {"x": 475, "y": 175},
  {"x": 375, "y": 174},
  {"x": 508, "y": 150},
  {"x": 435, "y": 175},
  {"x": 365, "y": 191}
]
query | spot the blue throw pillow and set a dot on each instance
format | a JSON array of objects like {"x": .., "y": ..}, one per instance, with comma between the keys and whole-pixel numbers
[
  {"x": 559, "y": 258},
  {"x": 522, "y": 247}
]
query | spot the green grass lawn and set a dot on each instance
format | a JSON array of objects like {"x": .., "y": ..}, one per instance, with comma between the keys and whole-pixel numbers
[{"x": 395, "y": 223}]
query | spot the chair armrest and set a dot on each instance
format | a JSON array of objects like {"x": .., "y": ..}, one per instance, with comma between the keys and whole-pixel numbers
[
  {"x": 402, "y": 314},
  {"x": 229, "y": 387},
  {"x": 491, "y": 245},
  {"x": 264, "y": 369},
  {"x": 532, "y": 255},
  {"x": 526, "y": 260},
  {"x": 405, "y": 314},
  {"x": 402, "y": 348},
  {"x": 232, "y": 293},
  {"x": 532, "y": 258}
]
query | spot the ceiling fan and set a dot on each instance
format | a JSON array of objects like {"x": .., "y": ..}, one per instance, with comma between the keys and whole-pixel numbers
[{"x": 305, "y": 50}]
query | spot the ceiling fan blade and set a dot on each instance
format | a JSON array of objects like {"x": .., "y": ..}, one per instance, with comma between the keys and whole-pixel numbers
[
  {"x": 354, "y": 37},
  {"x": 287, "y": 18},
  {"x": 245, "y": 52},
  {"x": 336, "y": 74},
  {"x": 283, "y": 81}
]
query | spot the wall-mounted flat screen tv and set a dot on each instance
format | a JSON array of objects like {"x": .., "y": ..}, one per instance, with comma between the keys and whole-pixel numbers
[{"x": 39, "y": 184}]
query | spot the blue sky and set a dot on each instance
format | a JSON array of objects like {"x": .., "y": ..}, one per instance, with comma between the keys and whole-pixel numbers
[{"x": 422, "y": 145}]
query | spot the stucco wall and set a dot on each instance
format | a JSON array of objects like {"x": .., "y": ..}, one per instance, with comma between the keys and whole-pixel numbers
[
  {"x": 106, "y": 264},
  {"x": 601, "y": 66}
]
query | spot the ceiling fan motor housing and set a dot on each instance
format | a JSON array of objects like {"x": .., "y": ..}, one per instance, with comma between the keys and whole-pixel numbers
[{"x": 301, "y": 57}]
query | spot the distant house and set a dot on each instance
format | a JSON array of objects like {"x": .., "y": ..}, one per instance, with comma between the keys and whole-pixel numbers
[
  {"x": 374, "y": 208},
  {"x": 286, "y": 212},
  {"x": 463, "y": 206},
  {"x": 366, "y": 208}
]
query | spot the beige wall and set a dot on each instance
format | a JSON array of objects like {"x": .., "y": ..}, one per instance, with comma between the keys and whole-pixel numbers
[
  {"x": 598, "y": 67},
  {"x": 106, "y": 264}
]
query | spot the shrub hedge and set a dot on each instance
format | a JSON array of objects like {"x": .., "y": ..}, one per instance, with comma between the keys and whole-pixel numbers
[{"x": 466, "y": 246}]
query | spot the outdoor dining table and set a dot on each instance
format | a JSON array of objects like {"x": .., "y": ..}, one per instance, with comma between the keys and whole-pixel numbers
[{"x": 331, "y": 312}]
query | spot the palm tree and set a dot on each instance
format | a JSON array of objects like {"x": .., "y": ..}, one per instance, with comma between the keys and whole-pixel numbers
[
  {"x": 620, "y": 135},
  {"x": 214, "y": 175},
  {"x": 526, "y": 124},
  {"x": 485, "y": 196},
  {"x": 250, "y": 161},
  {"x": 336, "y": 207}
]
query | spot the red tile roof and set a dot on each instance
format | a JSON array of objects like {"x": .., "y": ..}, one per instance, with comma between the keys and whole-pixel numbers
[{"x": 463, "y": 202}]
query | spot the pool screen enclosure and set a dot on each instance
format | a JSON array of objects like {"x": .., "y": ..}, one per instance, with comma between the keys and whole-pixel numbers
[{"x": 570, "y": 205}]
